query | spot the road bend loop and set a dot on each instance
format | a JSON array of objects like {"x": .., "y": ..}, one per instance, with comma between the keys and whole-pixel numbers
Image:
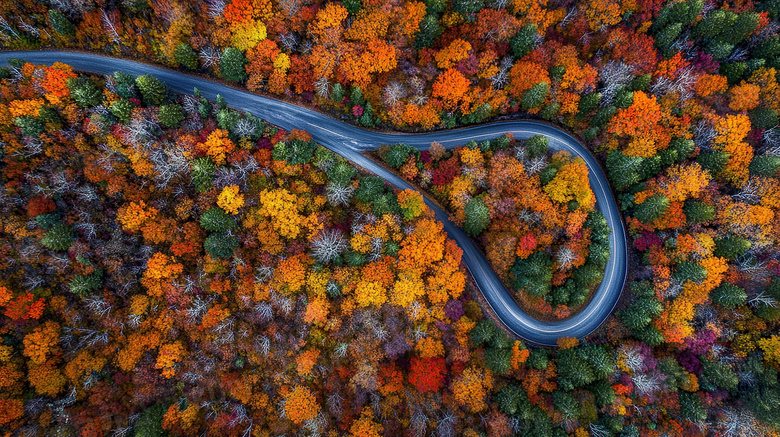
[{"x": 350, "y": 141}]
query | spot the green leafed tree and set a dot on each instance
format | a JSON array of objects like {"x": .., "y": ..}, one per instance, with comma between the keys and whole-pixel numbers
[
  {"x": 698, "y": 212},
  {"x": 729, "y": 295},
  {"x": 534, "y": 97},
  {"x": 524, "y": 41},
  {"x": 84, "y": 285},
  {"x": 652, "y": 208},
  {"x": 533, "y": 274},
  {"x": 122, "y": 109},
  {"x": 477, "y": 217},
  {"x": 765, "y": 165},
  {"x": 370, "y": 188},
  {"x": 231, "y": 65},
  {"x": 171, "y": 115},
  {"x": 59, "y": 237},
  {"x": 220, "y": 245},
  {"x": 186, "y": 56},
  {"x": 691, "y": 407},
  {"x": 202, "y": 173},
  {"x": 397, "y": 154},
  {"x": 152, "y": 89},
  {"x": 61, "y": 24},
  {"x": 536, "y": 146},
  {"x": 731, "y": 247},
  {"x": 217, "y": 220},
  {"x": 84, "y": 92}
]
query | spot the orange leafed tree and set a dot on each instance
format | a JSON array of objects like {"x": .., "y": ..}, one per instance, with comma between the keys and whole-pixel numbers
[
  {"x": 424, "y": 246},
  {"x": 167, "y": 357},
  {"x": 10, "y": 410},
  {"x": 301, "y": 405},
  {"x": 281, "y": 207},
  {"x": 602, "y": 13},
  {"x": 731, "y": 131},
  {"x": 683, "y": 182},
  {"x": 365, "y": 426},
  {"x": 56, "y": 82},
  {"x": 471, "y": 388},
  {"x": 161, "y": 269},
  {"x": 709, "y": 84},
  {"x": 217, "y": 146},
  {"x": 523, "y": 76},
  {"x": 41, "y": 342},
  {"x": 637, "y": 119},
  {"x": 238, "y": 11},
  {"x": 453, "y": 53},
  {"x": 744, "y": 97},
  {"x": 424, "y": 115},
  {"x": 451, "y": 87}
]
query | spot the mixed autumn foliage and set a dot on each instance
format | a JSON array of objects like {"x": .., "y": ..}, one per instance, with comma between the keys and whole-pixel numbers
[
  {"x": 170, "y": 266},
  {"x": 532, "y": 212}
]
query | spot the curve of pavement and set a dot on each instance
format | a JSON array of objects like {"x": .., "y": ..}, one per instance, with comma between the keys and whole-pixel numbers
[{"x": 350, "y": 141}]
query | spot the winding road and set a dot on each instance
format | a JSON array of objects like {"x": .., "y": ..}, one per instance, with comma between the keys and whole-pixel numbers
[{"x": 349, "y": 141}]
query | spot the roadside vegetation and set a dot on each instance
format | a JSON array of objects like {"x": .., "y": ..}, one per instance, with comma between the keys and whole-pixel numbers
[{"x": 531, "y": 211}]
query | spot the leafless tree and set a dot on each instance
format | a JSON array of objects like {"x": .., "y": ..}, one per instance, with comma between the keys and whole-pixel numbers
[
  {"x": 209, "y": 56},
  {"x": 598, "y": 430},
  {"x": 536, "y": 165},
  {"x": 417, "y": 90},
  {"x": 289, "y": 41},
  {"x": 334, "y": 404},
  {"x": 771, "y": 140},
  {"x": 245, "y": 128},
  {"x": 4, "y": 25},
  {"x": 328, "y": 245},
  {"x": 633, "y": 358},
  {"x": 704, "y": 134},
  {"x": 739, "y": 423},
  {"x": 614, "y": 75},
  {"x": 341, "y": 349},
  {"x": 570, "y": 15},
  {"x": 215, "y": 7},
  {"x": 109, "y": 26},
  {"x": 339, "y": 194},
  {"x": 446, "y": 424},
  {"x": 393, "y": 93},
  {"x": 565, "y": 257},
  {"x": 290, "y": 7},
  {"x": 322, "y": 88},
  {"x": 98, "y": 306},
  {"x": 645, "y": 383},
  {"x": 32, "y": 30},
  {"x": 762, "y": 299}
]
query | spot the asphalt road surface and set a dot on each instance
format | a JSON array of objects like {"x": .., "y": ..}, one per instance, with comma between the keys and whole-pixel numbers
[{"x": 349, "y": 141}]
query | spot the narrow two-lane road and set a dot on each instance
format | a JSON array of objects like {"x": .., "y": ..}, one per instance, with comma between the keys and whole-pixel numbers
[{"x": 349, "y": 141}]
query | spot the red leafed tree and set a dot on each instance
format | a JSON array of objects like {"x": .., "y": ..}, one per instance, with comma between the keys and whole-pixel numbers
[
  {"x": 24, "y": 307},
  {"x": 427, "y": 374},
  {"x": 40, "y": 205}
]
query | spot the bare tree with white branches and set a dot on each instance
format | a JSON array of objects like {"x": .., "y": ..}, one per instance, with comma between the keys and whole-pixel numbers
[{"x": 328, "y": 245}]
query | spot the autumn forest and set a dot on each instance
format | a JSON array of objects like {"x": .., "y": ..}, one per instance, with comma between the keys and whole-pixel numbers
[{"x": 171, "y": 266}]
